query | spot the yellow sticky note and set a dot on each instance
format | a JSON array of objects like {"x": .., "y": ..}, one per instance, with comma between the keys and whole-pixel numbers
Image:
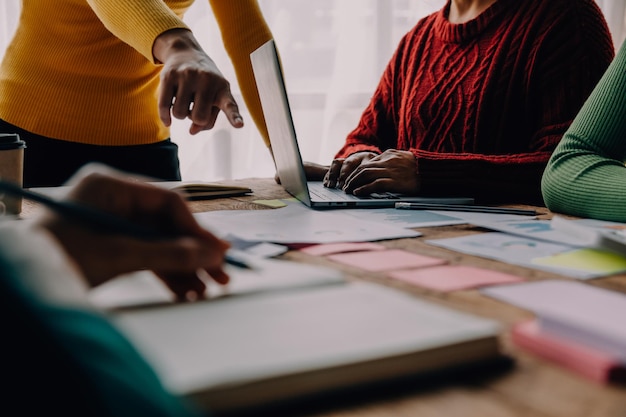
[
  {"x": 591, "y": 260},
  {"x": 271, "y": 203}
]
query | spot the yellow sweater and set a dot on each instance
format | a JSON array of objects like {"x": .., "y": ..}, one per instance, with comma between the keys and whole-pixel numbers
[{"x": 83, "y": 70}]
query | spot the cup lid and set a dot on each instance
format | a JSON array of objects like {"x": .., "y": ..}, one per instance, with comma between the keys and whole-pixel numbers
[{"x": 11, "y": 141}]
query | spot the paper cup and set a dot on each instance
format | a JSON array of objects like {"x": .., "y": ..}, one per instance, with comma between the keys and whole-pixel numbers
[{"x": 11, "y": 169}]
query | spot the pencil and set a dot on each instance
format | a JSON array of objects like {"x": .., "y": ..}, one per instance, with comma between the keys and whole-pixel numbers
[
  {"x": 465, "y": 208},
  {"x": 97, "y": 218}
]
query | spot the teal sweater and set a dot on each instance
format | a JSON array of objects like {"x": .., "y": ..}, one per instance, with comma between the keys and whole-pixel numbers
[
  {"x": 586, "y": 175},
  {"x": 69, "y": 361}
]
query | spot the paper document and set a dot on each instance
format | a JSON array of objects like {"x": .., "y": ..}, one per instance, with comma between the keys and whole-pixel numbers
[
  {"x": 297, "y": 223},
  {"x": 426, "y": 218},
  {"x": 555, "y": 230},
  {"x": 581, "y": 263},
  {"x": 605, "y": 236}
]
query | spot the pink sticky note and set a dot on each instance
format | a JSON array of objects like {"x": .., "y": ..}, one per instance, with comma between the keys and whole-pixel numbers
[
  {"x": 453, "y": 277},
  {"x": 331, "y": 248},
  {"x": 386, "y": 260},
  {"x": 587, "y": 361}
]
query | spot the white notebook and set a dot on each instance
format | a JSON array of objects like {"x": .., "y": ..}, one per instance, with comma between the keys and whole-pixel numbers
[{"x": 300, "y": 338}]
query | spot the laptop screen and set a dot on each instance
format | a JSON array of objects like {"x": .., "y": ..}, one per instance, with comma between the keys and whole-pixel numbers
[{"x": 272, "y": 92}]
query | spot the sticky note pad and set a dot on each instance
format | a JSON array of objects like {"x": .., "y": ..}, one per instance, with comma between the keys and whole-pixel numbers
[
  {"x": 386, "y": 260},
  {"x": 587, "y": 361},
  {"x": 591, "y": 260},
  {"x": 331, "y": 248},
  {"x": 574, "y": 310},
  {"x": 453, "y": 277}
]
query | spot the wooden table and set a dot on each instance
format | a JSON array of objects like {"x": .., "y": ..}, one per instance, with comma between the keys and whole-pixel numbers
[{"x": 531, "y": 388}]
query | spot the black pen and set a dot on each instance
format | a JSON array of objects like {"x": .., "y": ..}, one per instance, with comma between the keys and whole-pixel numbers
[
  {"x": 465, "y": 208},
  {"x": 94, "y": 217}
]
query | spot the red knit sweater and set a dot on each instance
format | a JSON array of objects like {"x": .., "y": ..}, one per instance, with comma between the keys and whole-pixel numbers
[{"x": 482, "y": 104}]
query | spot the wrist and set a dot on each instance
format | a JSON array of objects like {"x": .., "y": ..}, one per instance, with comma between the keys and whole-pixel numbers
[
  {"x": 173, "y": 41},
  {"x": 374, "y": 153},
  {"x": 418, "y": 177}
]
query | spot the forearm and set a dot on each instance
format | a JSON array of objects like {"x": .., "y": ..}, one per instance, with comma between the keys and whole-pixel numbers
[
  {"x": 243, "y": 30},
  {"x": 580, "y": 182},
  {"x": 488, "y": 178},
  {"x": 586, "y": 175},
  {"x": 137, "y": 23},
  {"x": 352, "y": 148}
]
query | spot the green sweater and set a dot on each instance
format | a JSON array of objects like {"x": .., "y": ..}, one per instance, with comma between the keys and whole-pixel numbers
[{"x": 586, "y": 176}]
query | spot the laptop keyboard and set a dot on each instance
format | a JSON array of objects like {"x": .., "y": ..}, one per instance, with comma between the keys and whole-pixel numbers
[
  {"x": 320, "y": 193},
  {"x": 329, "y": 194}
]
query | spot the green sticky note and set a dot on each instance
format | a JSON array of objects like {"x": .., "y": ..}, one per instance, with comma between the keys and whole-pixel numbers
[
  {"x": 591, "y": 260},
  {"x": 271, "y": 203}
]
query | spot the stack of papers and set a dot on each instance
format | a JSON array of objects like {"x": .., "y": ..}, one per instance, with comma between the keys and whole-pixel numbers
[{"x": 577, "y": 325}]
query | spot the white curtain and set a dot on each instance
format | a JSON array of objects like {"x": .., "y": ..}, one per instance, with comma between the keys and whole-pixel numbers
[
  {"x": 333, "y": 53},
  {"x": 615, "y": 14}
]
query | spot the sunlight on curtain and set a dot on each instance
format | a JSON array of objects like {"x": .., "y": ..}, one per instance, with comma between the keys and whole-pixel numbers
[
  {"x": 333, "y": 52},
  {"x": 9, "y": 13},
  {"x": 615, "y": 15}
]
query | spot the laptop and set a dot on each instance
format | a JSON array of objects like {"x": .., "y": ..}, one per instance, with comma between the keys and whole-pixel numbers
[{"x": 275, "y": 104}]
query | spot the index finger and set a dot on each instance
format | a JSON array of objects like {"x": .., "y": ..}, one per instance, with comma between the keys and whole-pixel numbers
[
  {"x": 330, "y": 179},
  {"x": 205, "y": 113},
  {"x": 227, "y": 103},
  {"x": 347, "y": 168},
  {"x": 185, "y": 286}
]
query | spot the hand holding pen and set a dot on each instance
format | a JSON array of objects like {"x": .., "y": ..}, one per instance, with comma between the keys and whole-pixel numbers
[{"x": 111, "y": 226}]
